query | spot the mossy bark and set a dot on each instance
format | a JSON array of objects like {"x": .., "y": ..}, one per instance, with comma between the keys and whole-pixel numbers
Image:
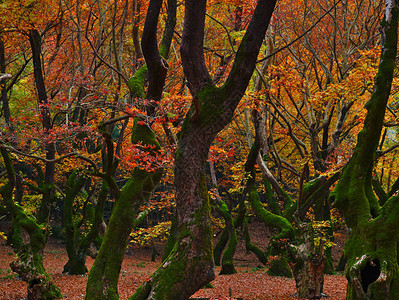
[
  {"x": 290, "y": 246},
  {"x": 219, "y": 247},
  {"x": 307, "y": 263},
  {"x": 28, "y": 235},
  {"x": 172, "y": 238},
  {"x": 228, "y": 254},
  {"x": 250, "y": 247},
  {"x": 371, "y": 249},
  {"x": 77, "y": 242},
  {"x": 104, "y": 275},
  {"x": 224, "y": 237},
  {"x": 307, "y": 257},
  {"x": 76, "y": 262},
  {"x": 278, "y": 243},
  {"x": 190, "y": 265},
  {"x": 29, "y": 265}
]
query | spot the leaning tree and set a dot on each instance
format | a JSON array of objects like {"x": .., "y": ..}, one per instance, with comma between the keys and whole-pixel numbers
[
  {"x": 371, "y": 249},
  {"x": 103, "y": 278}
]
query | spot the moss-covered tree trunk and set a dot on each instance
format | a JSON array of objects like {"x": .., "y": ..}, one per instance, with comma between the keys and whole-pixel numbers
[
  {"x": 29, "y": 265},
  {"x": 371, "y": 249},
  {"x": 302, "y": 249},
  {"x": 28, "y": 235},
  {"x": 225, "y": 237},
  {"x": 76, "y": 262},
  {"x": 228, "y": 254},
  {"x": 77, "y": 242},
  {"x": 278, "y": 243},
  {"x": 190, "y": 265},
  {"x": 230, "y": 229},
  {"x": 103, "y": 278}
]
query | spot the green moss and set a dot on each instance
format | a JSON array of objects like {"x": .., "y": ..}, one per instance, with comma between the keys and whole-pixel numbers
[
  {"x": 141, "y": 132},
  {"x": 103, "y": 277},
  {"x": 172, "y": 238},
  {"x": 279, "y": 267},
  {"x": 218, "y": 250},
  {"x": 269, "y": 218},
  {"x": 167, "y": 282},
  {"x": 136, "y": 83},
  {"x": 227, "y": 260}
]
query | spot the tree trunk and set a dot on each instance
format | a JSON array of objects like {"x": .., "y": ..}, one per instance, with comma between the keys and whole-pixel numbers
[
  {"x": 104, "y": 274},
  {"x": 249, "y": 247},
  {"x": 307, "y": 263},
  {"x": 29, "y": 265},
  {"x": 190, "y": 264},
  {"x": 77, "y": 243},
  {"x": 228, "y": 254},
  {"x": 75, "y": 264},
  {"x": 224, "y": 237},
  {"x": 103, "y": 278},
  {"x": 371, "y": 249},
  {"x": 30, "y": 252}
]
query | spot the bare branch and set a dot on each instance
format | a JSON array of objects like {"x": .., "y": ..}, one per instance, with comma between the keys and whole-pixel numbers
[
  {"x": 55, "y": 160},
  {"x": 4, "y": 77}
]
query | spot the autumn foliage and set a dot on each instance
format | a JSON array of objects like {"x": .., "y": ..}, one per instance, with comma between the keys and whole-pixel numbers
[{"x": 83, "y": 118}]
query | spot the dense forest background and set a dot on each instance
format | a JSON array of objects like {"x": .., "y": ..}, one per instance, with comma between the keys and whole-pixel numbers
[{"x": 180, "y": 122}]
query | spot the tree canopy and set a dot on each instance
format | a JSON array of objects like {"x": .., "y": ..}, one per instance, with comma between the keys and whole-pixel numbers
[{"x": 175, "y": 122}]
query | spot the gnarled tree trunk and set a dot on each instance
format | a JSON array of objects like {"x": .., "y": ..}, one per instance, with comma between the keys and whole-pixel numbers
[
  {"x": 371, "y": 249},
  {"x": 29, "y": 265},
  {"x": 190, "y": 264},
  {"x": 103, "y": 278}
]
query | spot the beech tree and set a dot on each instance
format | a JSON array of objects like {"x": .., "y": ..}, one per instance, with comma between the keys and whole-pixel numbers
[
  {"x": 371, "y": 249},
  {"x": 190, "y": 264},
  {"x": 103, "y": 278},
  {"x": 29, "y": 265},
  {"x": 297, "y": 128}
]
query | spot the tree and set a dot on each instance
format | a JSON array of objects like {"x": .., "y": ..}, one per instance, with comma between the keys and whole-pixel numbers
[
  {"x": 371, "y": 249},
  {"x": 103, "y": 278},
  {"x": 190, "y": 264},
  {"x": 29, "y": 266},
  {"x": 298, "y": 130}
]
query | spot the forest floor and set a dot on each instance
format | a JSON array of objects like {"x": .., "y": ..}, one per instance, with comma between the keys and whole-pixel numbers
[{"x": 251, "y": 281}]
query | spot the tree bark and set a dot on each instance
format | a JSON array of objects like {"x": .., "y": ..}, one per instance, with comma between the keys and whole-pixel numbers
[
  {"x": 307, "y": 264},
  {"x": 76, "y": 263},
  {"x": 29, "y": 266},
  {"x": 371, "y": 249},
  {"x": 190, "y": 264},
  {"x": 103, "y": 278}
]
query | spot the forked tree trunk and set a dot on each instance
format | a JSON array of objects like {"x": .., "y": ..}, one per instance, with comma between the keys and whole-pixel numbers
[
  {"x": 190, "y": 265},
  {"x": 78, "y": 243},
  {"x": 228, "y": 254},
  {"x": 371, "y": 249},
  {"x": 76, "y": 262}
]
